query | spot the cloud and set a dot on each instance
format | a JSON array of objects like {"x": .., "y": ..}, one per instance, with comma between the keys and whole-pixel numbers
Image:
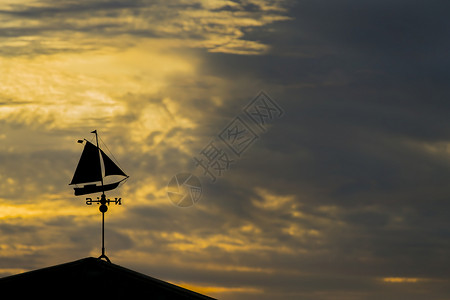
[
  {"x": 42, "y": 28},
  {"x": 342, "y": 197}
]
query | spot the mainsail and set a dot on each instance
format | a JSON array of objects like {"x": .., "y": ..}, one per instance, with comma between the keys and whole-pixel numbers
[{"x": 89, "y": 170}]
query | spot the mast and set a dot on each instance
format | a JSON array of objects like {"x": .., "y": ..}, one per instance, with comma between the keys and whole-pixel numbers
[{"x": 96, "y": 139}]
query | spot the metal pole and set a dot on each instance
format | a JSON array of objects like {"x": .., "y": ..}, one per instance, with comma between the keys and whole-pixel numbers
[
  {"x": 98, "y": 149},
  {"x": 103, "y": 234},
  {"x": 103, "y": 208}
]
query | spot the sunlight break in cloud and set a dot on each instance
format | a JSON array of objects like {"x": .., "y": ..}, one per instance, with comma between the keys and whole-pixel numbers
[
  {"x": 66, "y": 90},
  {"x": 401, "y": 279}
]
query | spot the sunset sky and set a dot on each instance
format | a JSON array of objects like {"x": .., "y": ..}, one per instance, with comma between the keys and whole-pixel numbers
[{"x": 344, "y": 196}]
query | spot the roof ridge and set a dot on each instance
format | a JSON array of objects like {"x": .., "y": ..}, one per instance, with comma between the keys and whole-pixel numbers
[{"x": 107, "y": 277}]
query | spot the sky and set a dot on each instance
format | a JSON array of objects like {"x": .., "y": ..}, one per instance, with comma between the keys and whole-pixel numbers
[{"x": 343, "y": 194}]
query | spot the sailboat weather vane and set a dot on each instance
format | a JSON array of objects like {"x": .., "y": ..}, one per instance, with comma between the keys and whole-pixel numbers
[{"x": 89, "y": 172}]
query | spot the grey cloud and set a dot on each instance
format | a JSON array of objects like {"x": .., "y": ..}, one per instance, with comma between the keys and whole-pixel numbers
[
  {"x": 142, "y": 19},
  {"x": 54, "y": 8},
  {"x": 364, "y": 89}
]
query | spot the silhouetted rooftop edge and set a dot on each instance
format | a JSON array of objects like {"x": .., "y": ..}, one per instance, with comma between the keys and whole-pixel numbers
[{"x": 91, "y": 278}]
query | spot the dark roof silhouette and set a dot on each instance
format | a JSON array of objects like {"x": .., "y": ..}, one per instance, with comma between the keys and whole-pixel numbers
[{"x": 91, "y": 278}]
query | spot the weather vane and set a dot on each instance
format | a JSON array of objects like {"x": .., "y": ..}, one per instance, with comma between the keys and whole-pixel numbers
[{"x": 90, "y": 172}]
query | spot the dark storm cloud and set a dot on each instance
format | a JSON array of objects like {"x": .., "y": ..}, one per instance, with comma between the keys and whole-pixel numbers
[
  {"x": 364, "y": 91},
  {"x": 354, "y": 101}
]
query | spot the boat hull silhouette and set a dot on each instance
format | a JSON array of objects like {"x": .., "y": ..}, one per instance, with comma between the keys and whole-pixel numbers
[{"x": 93, "y": 188}]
